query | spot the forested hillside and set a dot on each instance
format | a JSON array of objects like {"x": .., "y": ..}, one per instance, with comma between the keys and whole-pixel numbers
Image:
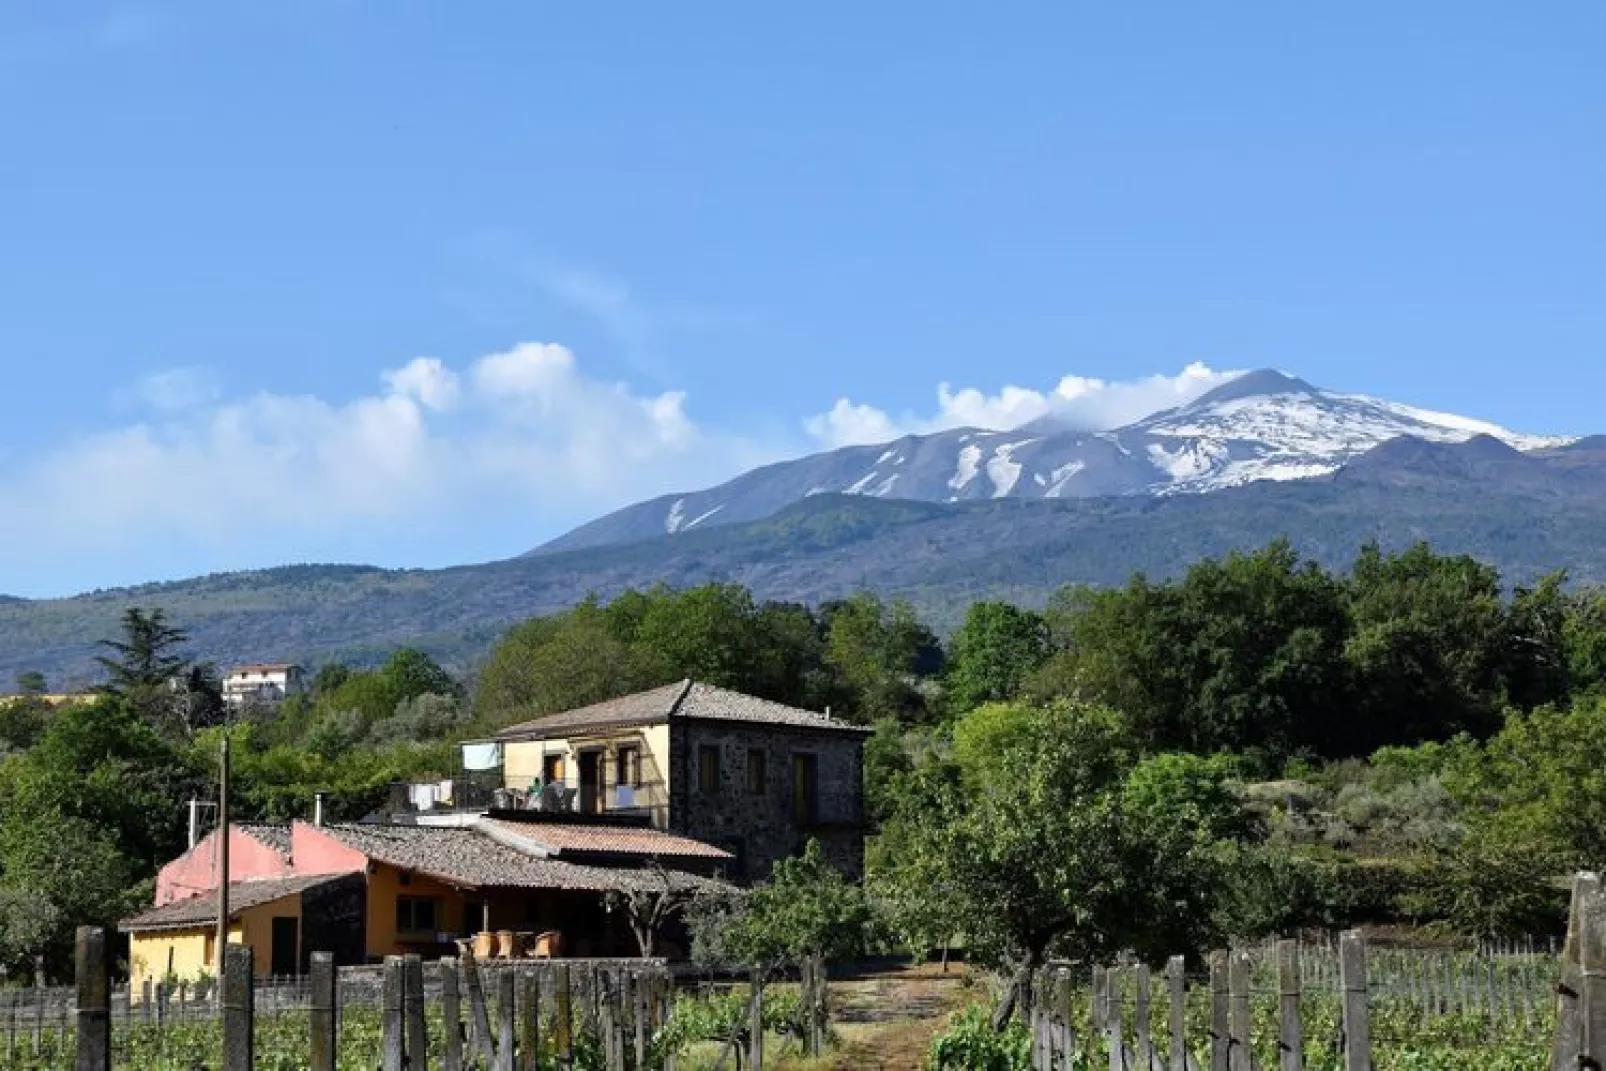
[{"x": 1524, "y": 514}]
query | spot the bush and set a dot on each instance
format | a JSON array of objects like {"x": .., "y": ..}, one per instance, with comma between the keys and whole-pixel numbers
[{"x": 971, "y": 1044}]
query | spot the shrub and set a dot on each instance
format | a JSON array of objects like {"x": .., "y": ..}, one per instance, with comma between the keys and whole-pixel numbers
[{"x": 971, "y": 1044}]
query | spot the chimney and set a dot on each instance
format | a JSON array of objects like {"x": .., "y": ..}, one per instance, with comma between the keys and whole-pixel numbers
[
  {"x": 195, "y": 820},
  {"x": 317, "y": 808}
]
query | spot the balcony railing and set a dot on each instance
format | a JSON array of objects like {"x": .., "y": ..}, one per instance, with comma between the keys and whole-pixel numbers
[{"x": 649, "y": 799}]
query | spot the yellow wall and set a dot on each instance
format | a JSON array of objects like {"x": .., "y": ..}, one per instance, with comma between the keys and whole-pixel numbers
[
  {"x": 194, "y": 951},
  {"x": 384, "y": 886},
  {"x": 522, "y": 762},
  {"x": 148, "y": 953}
]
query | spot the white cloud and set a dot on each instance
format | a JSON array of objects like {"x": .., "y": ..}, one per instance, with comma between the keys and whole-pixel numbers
[
  {"x": 425, "y": 379},
  {"x": 1076, "y": 402},
  {"x": 176, "y": 389},
  {"x": 513, "y": 434}
]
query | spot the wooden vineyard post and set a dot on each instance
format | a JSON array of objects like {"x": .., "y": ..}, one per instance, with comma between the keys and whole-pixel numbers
[
  {"x": 1290, "y": 1040},
  {"x": 1219, "y": 1013},
  {"x": 1239, "y": 1053},
  {"x": 1100, "y": 1009},
  {"x": 1064, "y": 998},
  {"x": 479, "y": 1014},
  {"x": 393, "y": 1042},
  {"x": 1140, "y": 1016},
  {"x": 529, "y": 1011},
  {"x": 641, "y": 995},
  {"x": 321, "y": 1013},
  {"x": 1114, "y": 1018},
  {"x": 1356, "y": 1010},
  {"x": 93, "y": 969},
  {"x": 1176, "y": 983},
  {"x": 1569, "y": 1038},
  {"x": 755, "y": 1023},
  {"x": 563, "y": 1027},
  {"x": 1592, "y": 967},
  {"x": 601, "y": 999},
  {"x": 236, "y": 991},
  {"x": 417, "y": 1030},
  {"x": 451, "y": 1018},
  {"x": 506, "y": 1016}
]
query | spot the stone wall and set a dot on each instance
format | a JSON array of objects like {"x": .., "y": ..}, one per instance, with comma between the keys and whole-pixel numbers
[{"x": 760, "y": 827}]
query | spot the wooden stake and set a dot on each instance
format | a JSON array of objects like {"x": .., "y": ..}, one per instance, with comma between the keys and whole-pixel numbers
[
  {"x": 322, "y": 1015},
  {"x": 1357, "y": 1022},
  {"x": 1220, "y": 1007}
]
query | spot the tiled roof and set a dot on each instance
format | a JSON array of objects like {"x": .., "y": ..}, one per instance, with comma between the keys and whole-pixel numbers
[
  {"x": 562, "y": 838},
  {"x": 462, "y": 855},
  {"x": 684, "y": 699},
  {"x": 202, "y": 910},
  {"x": 276, "y": 837}
]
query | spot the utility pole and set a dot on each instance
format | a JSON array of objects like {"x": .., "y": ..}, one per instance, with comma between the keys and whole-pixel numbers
[{"x": 222, "y": 860}]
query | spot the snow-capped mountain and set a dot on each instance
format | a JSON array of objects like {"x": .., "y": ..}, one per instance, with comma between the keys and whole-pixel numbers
[{"x": 1261, "y": 426}]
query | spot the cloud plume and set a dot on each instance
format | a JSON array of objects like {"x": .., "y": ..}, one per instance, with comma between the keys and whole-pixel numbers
[{"x": 1076, "y": 402}]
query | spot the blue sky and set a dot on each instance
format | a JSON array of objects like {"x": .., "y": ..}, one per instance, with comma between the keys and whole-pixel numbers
[{"x": 423, "y": 283}]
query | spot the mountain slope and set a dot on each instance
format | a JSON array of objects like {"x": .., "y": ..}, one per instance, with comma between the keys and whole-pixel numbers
[
  {"x": 1529, "y": 513},
  {"x": 1261, "y": 426}
]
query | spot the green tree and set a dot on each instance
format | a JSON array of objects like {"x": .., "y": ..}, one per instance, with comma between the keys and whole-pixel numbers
[
  {"x": 147, "y": 656},
  {"x": 993, "y": 653},
  {"x": 807, "y": 908},
  {"x": 32, "y": 682},
  {"x": 1429, "y": 646},
  {"x": 1034, "y": 848},
  {"x": 878, "y": 653}
]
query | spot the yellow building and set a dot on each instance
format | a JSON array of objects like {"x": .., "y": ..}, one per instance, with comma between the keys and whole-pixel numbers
[{"x": 178, "y": 941}]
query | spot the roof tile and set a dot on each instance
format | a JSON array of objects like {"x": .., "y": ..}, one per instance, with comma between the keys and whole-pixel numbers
[{"x": 202, "y": 910}]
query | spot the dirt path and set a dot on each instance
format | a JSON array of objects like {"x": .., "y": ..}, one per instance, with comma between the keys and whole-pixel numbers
[{"x": 886, "y": 1023}]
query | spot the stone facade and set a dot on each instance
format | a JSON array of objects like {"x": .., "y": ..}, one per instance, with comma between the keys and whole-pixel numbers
[{"x": 763, "y": 807}]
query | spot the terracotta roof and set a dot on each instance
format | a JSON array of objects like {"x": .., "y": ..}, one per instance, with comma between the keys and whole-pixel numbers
[
  {"x": 276, "y": 837},
  {"x": 202, "y": 910},
  {"x": 684, "y": 699},
  {"x": 562, "y": 838},
  {"x": 463, "y": 855}
]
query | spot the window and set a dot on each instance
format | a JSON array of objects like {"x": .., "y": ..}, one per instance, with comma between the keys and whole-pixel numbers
[
  {"x": 629, "y": 767},
  {"x": 415, "y": 914},
  {"x": 757, "y": 775},
  {"x": 552, "y": 770},
  {"x": 708, "y": 768},
  {"x": 805, "y": 789}
]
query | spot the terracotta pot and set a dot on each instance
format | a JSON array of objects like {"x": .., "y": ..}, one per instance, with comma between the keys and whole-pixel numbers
[
  {"x": 504, "y": 944},
  {"x": 484, "y": 944}
]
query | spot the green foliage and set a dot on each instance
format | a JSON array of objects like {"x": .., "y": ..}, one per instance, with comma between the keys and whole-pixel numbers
[
  {"x": 807, "y": 908},
  {"x": 1485, "y": 886},
  {"x": 1041, "y": 838},
  {"x": 971, "y": 1044},
  {"x": 22, "y": 720},
  {"x": 993, "y": 653},
  {"x": 32, "y": 682},
  {"x": 147, "y": 655},
  {"x": 86, "y": 815}
]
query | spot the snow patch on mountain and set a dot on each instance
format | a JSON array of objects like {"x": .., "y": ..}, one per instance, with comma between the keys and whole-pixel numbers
[
  {"x": 968, "y": 465},
  {"x": 677, "y": 516}
]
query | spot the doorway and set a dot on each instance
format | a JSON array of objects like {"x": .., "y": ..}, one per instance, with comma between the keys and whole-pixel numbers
[
  {"x": 286, "y": 931},
  {"x": 590, "y": 782}
]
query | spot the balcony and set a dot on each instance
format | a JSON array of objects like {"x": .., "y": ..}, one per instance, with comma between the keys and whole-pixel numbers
[{"x": 646, "y": 802}]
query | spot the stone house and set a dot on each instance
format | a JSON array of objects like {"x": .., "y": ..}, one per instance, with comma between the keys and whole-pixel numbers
[{"x": 754, "y": 777}]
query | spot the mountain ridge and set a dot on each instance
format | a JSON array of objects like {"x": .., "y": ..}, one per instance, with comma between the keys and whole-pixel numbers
[{"x": 1262, "y": 425}]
